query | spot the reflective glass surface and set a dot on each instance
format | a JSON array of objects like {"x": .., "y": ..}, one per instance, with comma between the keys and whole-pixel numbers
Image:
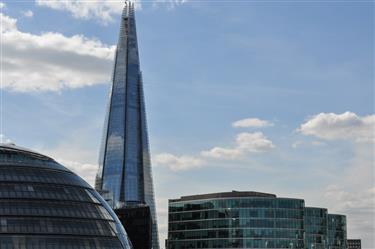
[
  {"x": 205, "y": 221},
  {"x": 121, "y": 168},
  {"x": 253, "y": 222},
  {"x": 316, "y": 228},
  {"x": 124, "y": 176},
  {"x": 337, "y": 233},
  {"x": 46, "y": 206}
]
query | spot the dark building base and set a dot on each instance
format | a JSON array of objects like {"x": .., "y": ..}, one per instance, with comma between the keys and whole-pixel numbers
[{"x": 138, "y": 225}]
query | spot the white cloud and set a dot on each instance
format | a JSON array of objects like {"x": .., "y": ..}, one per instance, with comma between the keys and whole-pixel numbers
[
  {"x": 348, "y": 125},
  {"x": 251, "y": 122},
  {"x": 254, "y": 142},
  {"x": 28, "y": 13},
  {"x": 2, "y": 5},
  {"x": 104, "y": 10},
  {"x": 245, "y": 143},
  {"x": 358, "y": 206},
  {"x": 51, "y": 61},
  {"x": 351, "y": 192},
  {"x": 225, "y": 153},
  {"x": 5, "y": 140},
  {"x": 7, "y": 23},
  {"x": 178, "y": 163},
  {"x": 346, "y": 200}
]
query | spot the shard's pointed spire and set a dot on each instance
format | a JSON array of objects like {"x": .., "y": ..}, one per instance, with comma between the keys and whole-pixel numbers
[{"x": 124, "y": 176}]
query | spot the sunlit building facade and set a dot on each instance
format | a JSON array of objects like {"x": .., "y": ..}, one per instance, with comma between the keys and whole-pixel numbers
[
  {"x": 124, "y": 177},
  {"x": 43, "y": 205},
  {"x": 249, "y": 220}
]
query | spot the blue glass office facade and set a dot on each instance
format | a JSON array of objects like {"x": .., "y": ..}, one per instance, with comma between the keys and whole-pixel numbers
[
  {"x": 247, "y": 220},
  {"x": 316, "y": 228},
  {"x": 124, "y": 177},
  {"x": 337, "y": 231},
  {"x": 121, "y": 156},
  {"x": 44, "y": 205},
  {"x": 261, "y": 221}
]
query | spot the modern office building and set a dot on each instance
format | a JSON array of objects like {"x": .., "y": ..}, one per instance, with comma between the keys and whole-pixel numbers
[
  {"x": 337, "y": 231},
  {"x": 44, "y": 205},
  {"x": 250, "y": 220},
  {"x": 354, "y": 244},
  {"x": 316, "y": 232},
  {"x": 235, "y": 220},
  {"x": 124, "y": 177}
]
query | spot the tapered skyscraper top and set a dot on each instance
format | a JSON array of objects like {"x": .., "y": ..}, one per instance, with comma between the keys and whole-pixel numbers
[{"x": 124, "y": 177}]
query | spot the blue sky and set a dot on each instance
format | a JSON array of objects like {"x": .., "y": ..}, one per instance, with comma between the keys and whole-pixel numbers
[{"x": 300, "y": 76}]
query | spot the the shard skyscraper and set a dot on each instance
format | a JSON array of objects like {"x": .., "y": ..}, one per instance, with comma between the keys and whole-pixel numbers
[{"x": 124, "y": 177}]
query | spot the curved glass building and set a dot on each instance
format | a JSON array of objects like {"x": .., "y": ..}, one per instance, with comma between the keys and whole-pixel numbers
[
  {"x": 236, "y": 220},
  {"x": 44, "y": 205},
  {"x": 251, "y": 220}
]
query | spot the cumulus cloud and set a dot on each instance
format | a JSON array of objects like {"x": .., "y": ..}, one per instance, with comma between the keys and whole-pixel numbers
[
  {"x": 246, "y": 143},
  {"x": 7, "y": 23},
  {"x": 103, "y": 10},
  {"x": 177, "y": 163},
  {"x": 358, "y": 206},
  {"x": 28, "y": 13},
  {"x": 225, "y": 153},
  {"x": 5, "y": 140},
  {"x": 251, "y": 123},
  {"x": 348, "y": 125},
  {"x": 347, "y": 201},
  {"x": 2, "y": 5},
  {"x": 254, "y": 142},
  {"x": 51, "y": 61}
]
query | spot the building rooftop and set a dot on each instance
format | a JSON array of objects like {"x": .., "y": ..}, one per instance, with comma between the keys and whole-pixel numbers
[
  {"x": 233, "y": 194},
  {"x": 11, "y": 147},
  {"x": 10, "y": 154}
]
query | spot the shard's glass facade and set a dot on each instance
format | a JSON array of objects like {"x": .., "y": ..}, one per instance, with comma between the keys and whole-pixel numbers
[{"x": 124, "y": 177}]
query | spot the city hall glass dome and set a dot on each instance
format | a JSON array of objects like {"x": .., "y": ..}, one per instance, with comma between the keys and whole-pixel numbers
[{"x": 43, "y": 205}]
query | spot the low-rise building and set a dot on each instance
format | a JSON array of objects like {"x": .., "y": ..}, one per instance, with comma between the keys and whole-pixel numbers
[
  {"x": 354, "y": 244},
  {"x": 251, "y": 220}
]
